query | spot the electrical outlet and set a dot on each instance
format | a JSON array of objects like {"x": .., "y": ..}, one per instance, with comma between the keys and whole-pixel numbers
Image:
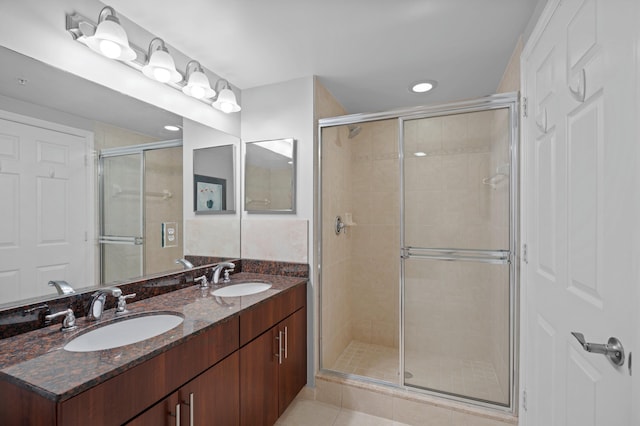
[{"x": 169, "y": 234}]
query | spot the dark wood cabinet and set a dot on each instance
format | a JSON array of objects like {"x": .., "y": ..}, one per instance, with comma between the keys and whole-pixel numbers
[
  {"x": 273, "y": 369},
  {"x": 244, "y": 370},
  {"x": 292, "y": 375},
  {"x": 210, "y": 399},
  {"x": 259, "y": 381}
]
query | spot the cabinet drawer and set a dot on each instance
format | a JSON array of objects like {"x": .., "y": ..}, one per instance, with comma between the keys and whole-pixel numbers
[{"x": 263, "y": 316}]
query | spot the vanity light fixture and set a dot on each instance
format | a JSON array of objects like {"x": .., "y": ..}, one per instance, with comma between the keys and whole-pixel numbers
[
  {"x": 172, "y": 128},
  {"x": 226, "y": 100},
  {"x": 160, "y": 65},
  {"x": 110, "y": 39},
  {"x": 422, "y": 86},
  {"x": 197, "y": 82}
]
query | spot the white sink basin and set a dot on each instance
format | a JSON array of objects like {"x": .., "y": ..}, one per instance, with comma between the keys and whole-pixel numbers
[
  {"x": 242, "y": 289},
  {"x": 124, "y": 332}
]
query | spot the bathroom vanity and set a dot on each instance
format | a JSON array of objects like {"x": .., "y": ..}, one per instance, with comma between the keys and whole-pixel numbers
[{"x": 238, "y": 360}]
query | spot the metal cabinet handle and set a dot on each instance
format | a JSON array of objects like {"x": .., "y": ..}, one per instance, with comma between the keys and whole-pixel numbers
[
  {"x": 612, "y": 349},
  {"x": 177, "y": 415},
  {"x": 286, "y": 343},
  {"x": 190, "y": 404},
  {"x": 279, "y": 354}
]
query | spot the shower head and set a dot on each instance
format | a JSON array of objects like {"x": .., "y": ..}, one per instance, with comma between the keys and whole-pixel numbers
[{"x": 354, "y": 130}]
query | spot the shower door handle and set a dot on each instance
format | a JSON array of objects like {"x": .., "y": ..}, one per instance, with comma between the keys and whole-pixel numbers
[
  {"x": 613, "y": 349},
  {"x": 112, "y": 239}
]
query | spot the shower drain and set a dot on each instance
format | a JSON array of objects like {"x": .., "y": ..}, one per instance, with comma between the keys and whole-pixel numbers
[{"x": 408, "y": 375}]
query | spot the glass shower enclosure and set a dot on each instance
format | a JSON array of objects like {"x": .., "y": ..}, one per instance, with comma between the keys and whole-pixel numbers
[
  {"x": 140, "y": 189},
  {"x": 418, "y": 233}
]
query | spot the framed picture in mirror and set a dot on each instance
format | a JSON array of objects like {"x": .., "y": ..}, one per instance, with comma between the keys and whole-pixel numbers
[
  {"x": 270, "y": 176},
  {"x": 209, "y": 194}
]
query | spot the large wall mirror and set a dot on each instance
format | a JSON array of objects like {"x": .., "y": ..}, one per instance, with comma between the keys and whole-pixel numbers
[
  {"x": 213, "y": 180},
  {"x": 113, "y": 158},
  {"x": 270, "y": 176}
]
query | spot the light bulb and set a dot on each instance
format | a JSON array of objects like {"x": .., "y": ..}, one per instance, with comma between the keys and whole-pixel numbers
[
  {"x": 422, "y": 87},
  {"x": 197, "y": 92},
  {"x": 162, "y": 75},
  {"x": 110, "y": 49}
]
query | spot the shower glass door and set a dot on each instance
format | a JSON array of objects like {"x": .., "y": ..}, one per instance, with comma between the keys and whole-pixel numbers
[
  {"x": 456, "y": 250},
  {"x": 121, "y": 239},
  {"x": 140, "y": 195}
]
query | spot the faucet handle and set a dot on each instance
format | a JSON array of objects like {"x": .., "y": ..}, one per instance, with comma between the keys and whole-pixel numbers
[
  {"x": 69, "y": 321},
  {"x": 226, "y": 278},
  {"x": 122, "y": 303},
  {"x": 204, "y": 283}
]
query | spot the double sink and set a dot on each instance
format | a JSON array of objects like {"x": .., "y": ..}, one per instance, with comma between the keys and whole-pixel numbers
[{"x": 144, "y": 326}]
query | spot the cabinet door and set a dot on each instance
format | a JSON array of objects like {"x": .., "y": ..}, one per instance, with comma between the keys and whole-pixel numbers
[
  {"x": 293, "y": 370},
  {"x": 259, "y": 381},
  {"x": 161, "y": 414},
  {"x": 212, "y": 398}
]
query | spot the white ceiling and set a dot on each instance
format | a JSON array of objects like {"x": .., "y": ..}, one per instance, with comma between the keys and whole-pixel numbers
[{"x": 366, "y": 52}]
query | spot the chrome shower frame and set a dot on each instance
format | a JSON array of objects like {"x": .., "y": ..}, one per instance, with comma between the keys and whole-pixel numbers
[{"x": 509, "y": 101}]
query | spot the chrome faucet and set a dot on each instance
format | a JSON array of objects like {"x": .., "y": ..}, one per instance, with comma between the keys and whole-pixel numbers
[
  {"x": 98, "y": 300},
  {"x": 219, "y": 268},
  {"x": 185, "y": 263},
  {"x": 63, "y": 287}
]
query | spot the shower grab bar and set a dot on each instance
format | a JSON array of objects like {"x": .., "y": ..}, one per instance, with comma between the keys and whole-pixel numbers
[{"x": 110, "y": 239}]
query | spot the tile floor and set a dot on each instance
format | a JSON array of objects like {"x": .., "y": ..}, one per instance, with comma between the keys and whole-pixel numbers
[
  {"x": 473, "y": 378},
  {"x": 365, "y": 359},
  {"x": 306, "y": 412}
]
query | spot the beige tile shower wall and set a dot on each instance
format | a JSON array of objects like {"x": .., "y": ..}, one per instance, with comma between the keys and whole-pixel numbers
[
  {"x": 336, "y": 249},
  {"x": 376, "y": 237},
  {"x": 163, "y": 203},
  {"x": 270, "y": 188}
]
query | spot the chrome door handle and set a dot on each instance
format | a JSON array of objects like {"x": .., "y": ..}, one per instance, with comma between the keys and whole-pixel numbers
[{"x": 612, "y": 349}]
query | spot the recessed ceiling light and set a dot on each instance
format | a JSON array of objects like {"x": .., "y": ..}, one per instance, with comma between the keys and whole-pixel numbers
[
  {"x": 172, "y": 128},
  {"x": 422, "y": 86},
  {"x": 420, "y": 154}
]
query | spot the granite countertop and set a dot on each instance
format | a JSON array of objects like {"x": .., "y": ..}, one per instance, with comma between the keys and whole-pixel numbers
[{"x": 37, "y": 360}]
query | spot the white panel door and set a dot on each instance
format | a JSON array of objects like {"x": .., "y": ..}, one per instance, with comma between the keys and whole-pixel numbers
[
  {"x": 44, "y": 226},
  {"x": 579, "y": 211}
]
